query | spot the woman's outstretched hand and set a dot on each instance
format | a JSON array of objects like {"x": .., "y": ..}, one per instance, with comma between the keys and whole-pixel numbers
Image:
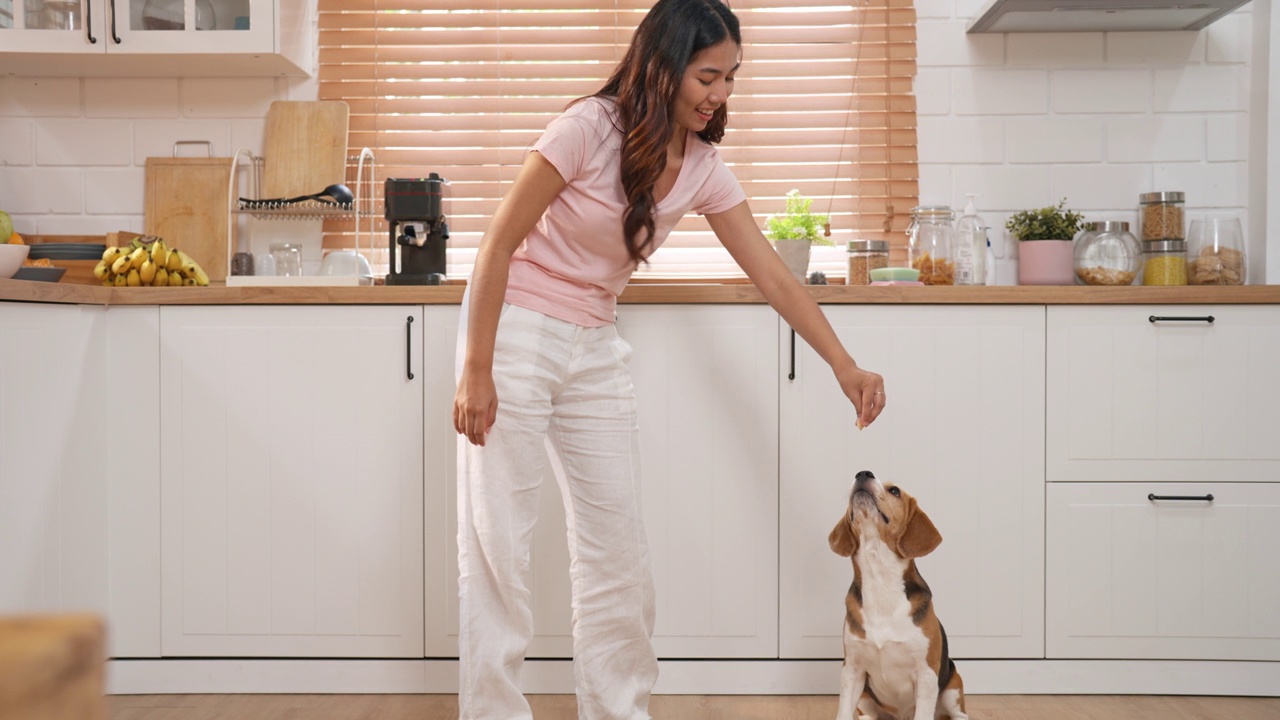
[
  {"x": 866, "y": 390},
  {"x": 475, "y": 405}
]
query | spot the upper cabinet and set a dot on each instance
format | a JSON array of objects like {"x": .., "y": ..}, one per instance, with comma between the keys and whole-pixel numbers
[
  {"x": 1000, "y": 16},
  {"x": 157, "y": 37}
]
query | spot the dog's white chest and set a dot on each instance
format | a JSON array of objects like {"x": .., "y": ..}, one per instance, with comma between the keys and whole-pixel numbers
[{"x": 894, "y": 650}]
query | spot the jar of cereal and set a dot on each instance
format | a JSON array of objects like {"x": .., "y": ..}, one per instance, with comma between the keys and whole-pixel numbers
[
  {"x": 1163, "y": 216},
  {"x": 1106, "y": 253},
  {"x": 1164, "y": 262},
  {"x": 865, "y": 256},
  {"x": 930, "y": 243}
]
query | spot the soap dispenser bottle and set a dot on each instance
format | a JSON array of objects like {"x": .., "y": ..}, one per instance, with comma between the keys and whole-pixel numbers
[{"x": 971, "y": 247}]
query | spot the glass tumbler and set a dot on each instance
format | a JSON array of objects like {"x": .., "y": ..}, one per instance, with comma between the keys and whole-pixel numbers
[
  {"x": 1215, "y": 252},
  {"x": 288, "y": 257}
]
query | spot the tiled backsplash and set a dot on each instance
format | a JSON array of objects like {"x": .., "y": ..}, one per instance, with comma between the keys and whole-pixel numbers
[{"x": 1021, "y": 119}]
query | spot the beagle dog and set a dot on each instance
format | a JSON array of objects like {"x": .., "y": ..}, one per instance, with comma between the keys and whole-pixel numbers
[{"x": 896, "y": 665}]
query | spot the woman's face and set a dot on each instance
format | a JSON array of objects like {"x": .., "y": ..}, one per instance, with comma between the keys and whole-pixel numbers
[{"x": 707, "y": 84}]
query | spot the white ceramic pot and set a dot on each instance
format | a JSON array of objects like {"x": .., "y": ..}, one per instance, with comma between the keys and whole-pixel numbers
[
  {"x": 1045, "y": 262},
  {"x": 795, "y": 253}
]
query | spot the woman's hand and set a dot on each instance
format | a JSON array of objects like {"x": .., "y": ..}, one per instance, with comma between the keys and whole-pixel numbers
[
  {"x": 475, "y": 405},
  {"x": 866, "y": 390}
]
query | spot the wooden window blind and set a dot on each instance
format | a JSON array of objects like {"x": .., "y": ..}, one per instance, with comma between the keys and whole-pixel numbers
[{"x": 823, "y": 104}]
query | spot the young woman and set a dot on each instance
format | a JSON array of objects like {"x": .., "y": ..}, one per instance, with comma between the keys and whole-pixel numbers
[{"x": 539, "y": 356}]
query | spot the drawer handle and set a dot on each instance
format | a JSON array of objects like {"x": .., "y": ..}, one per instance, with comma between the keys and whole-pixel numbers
[
  {"x": 408, "y": 346},
  {"x": 114, "y": 35},
  {"x": 1176, "y": 318},
  {"x": 1191, "y": 498}
]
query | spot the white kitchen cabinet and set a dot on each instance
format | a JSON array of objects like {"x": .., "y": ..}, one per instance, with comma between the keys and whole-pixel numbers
[
  {"x": 1165, "y": 579},
  {"x": 1166, "y": 400},
  {"x": 963, "y": 431},
  {"x": 157, "y": 37},
  {"x": 79, "y": 467},
  {"x": 291, "y": 481},
  {"x": 55, "y": 430},
  {"x": 706, "y": 383}
]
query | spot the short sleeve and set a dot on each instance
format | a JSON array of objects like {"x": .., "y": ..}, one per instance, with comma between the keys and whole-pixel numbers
[
  {"x": 721, "y": 191},
  {"x": 571, "y": 138}
]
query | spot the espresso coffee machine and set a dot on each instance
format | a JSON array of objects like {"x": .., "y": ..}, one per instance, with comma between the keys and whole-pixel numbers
[{"x": 415, "y": 217}]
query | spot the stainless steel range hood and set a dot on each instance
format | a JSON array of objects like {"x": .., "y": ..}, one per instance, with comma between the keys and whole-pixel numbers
[{"x": 1001, "y": 16}]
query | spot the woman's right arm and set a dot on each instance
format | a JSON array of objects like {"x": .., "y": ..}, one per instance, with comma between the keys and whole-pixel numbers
[{"x": 475, "y": 405}]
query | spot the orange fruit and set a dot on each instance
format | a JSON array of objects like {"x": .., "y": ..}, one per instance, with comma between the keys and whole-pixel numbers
[{"x": 15, "y": 239}]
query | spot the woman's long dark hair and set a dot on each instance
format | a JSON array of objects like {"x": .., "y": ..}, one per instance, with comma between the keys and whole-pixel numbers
[{"x": 645, "y": 85}]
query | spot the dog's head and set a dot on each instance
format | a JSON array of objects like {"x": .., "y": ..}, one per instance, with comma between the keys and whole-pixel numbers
[{"x": 885, "y": 509}]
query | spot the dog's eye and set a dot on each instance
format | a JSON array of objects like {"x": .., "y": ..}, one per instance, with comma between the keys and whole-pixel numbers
[{"x": 895, "y": 492}]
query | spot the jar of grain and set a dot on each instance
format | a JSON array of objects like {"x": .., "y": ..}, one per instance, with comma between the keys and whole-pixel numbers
[
  {"x": 1106, "y": 253},
  {"x": 1164, "y": 262},
  {"x": 1163, "y": 216},
  {"x": 865, "y": 256},
  {"x": 930, "y": 243}
]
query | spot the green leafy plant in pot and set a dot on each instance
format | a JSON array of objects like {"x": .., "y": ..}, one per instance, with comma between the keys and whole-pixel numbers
[
  {"x": 1044, "y": 244},
  {"x": 794, "y": 231}
]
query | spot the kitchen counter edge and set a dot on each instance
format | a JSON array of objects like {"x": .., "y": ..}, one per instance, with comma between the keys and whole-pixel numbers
[{"x": 645, "y": 293}]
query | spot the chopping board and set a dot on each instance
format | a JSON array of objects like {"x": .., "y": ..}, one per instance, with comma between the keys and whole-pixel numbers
[
  {"x": 304, "y": 147},
  {"x": 186, "y": 203}
]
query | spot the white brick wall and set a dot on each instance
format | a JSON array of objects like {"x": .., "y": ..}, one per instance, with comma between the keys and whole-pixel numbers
[
  {"x": 73, "y": 150},
  {"x": 1097, "y": 118},
  {"x": 1021, "y": 119}
]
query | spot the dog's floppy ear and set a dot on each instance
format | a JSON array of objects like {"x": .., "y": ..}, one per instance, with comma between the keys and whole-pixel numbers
[
  {"x": 843, "y": 540},
  {"x": 920, "y": 536}
]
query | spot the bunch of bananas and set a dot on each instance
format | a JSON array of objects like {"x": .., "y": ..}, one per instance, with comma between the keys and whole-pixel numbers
[{"x": 147, "y": 261}]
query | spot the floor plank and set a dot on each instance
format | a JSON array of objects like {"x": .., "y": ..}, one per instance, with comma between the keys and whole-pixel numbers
[{"x": 677, "y": 707}]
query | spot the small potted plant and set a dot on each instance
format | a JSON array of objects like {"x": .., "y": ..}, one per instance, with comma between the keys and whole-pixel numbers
[
  {"x": 1044, "y": 244},
  {"x": 794, "y": 231}
]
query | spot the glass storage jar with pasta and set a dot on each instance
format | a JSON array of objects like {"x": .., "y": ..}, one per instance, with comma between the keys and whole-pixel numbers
[
  {"x": 1106, "y": 253},
  {"x": 1163, "y": 216},
  {"x": 931, "y": 242}
]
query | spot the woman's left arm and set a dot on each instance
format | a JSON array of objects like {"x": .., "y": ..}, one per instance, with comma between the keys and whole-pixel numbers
[{"x": 737, "y": 231}]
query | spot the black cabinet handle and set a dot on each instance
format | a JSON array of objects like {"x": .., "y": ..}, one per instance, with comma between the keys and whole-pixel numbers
[
  {"x": 792, "y": 375},
  {"x": 114, "y": 36},
  {"x": 88, "y": 22},
  {"x": 1176, "y": 318},
  {"x": 408, "y": 346},
  {"x": 1189, "y": 498}
]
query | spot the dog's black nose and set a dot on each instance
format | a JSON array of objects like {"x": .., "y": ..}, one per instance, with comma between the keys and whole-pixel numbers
[{"x": 864, "y": 476}]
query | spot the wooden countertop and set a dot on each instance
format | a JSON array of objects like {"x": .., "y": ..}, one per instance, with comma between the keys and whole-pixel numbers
[{"x": 644, "y": 293}]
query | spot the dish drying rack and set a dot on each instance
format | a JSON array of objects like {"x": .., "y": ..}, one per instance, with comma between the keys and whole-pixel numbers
[{"x": 359, "y": 207}]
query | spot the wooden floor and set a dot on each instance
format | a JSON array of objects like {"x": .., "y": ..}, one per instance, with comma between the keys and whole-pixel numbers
[{"x": 676, "y": 707}]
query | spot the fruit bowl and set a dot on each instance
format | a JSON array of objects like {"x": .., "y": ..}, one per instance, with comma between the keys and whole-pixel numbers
[{"x": 11, "y": 257}]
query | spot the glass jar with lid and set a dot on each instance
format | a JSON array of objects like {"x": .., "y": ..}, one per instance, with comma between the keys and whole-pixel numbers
[
  {"x": 1106, "y": 253},
  {"x": 865, "y": 256},
  {"x": 931, "y": 243},
  {"x": 1164, "y": 262},
  {"x": 1162, "y": 215}
]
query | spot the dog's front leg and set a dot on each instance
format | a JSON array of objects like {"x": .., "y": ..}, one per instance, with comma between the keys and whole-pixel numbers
[
  {"x": 852, "y": 680},
  {"x": 926, "y": 694}
]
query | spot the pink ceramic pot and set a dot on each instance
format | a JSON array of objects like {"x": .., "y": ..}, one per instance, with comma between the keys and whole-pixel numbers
[{"x": 1045, "y": 262}]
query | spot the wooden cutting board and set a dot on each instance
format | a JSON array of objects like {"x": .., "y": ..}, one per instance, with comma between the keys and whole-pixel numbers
[
  {"x": 186, "y": 203},
  {"x": 304, "y": 148}
]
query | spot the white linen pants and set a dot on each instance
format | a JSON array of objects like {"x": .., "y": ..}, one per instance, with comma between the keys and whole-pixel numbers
[{"x": 570, "y": 385}]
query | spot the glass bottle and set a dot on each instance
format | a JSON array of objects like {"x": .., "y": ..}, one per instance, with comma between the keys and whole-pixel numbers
[
  {"x": 1106, "y": 253},
  {"x": 930, "y": 244}
]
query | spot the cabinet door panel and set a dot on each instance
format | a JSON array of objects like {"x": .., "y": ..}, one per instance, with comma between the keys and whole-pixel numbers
[
  {"x": 1130, "y": 577},
  {"x": 1180, "y": 401},
  {"x": 962, "y": 431},
  {"x": 706, "y": 385},
  {"x": 291, "y": 482}
]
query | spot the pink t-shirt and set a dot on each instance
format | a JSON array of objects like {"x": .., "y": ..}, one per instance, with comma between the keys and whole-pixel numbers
[{"x": 574, "y": 264}]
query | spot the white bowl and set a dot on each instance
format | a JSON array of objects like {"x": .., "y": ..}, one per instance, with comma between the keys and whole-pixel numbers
[
  {"x": 345, "y": 262},
  {"x": 11, "y": 257}
]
